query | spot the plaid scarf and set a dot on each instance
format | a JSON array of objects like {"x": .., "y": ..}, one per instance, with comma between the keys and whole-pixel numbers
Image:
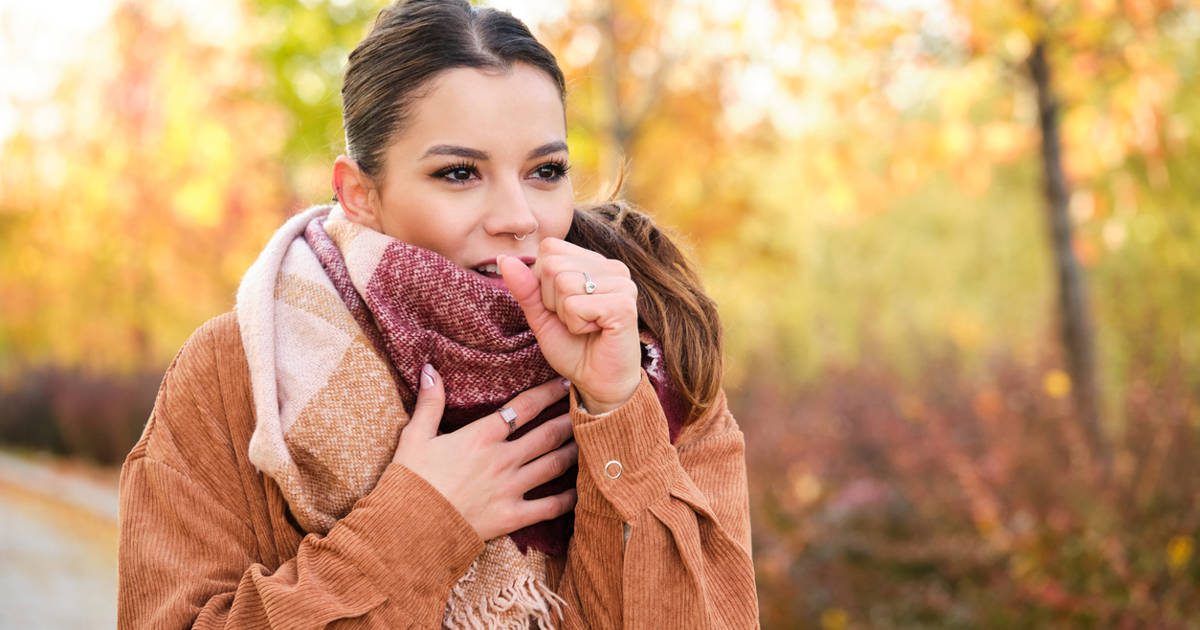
[{"x": 337, "y": 320}]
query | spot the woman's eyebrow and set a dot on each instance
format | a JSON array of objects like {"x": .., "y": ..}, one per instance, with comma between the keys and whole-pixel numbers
[
  {"x": 450, "y": 149},
  {"x": 476, "y": 154},
  {"x": 547, "y": 149}
]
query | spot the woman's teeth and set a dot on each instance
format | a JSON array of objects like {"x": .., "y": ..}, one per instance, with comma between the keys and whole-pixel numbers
[{"x": 490, "y": 269}]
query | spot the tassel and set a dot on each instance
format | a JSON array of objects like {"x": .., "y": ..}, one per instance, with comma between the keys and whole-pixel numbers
[{"x": 531, "y": 598}]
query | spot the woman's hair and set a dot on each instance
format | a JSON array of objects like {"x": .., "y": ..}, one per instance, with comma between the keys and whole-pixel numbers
[
  {"x": 671, "y": 303},
  {"x": 414, "y": 40}
]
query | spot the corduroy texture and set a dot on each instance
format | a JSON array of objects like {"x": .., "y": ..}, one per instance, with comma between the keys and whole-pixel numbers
[
  {"x": 339, "y": 310},
  {"x": 206, "y": 540}
]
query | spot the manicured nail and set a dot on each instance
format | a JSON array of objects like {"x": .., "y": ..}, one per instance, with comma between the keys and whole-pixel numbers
[{"x": 427, "y": 375}]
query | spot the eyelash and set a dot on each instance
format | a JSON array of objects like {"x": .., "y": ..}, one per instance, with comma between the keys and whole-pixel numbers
[
  {"x": 560, "y": 170},
  {"x": 460, "y": 166}
]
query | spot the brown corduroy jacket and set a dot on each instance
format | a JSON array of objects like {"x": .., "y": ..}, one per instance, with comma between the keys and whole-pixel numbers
[{"x": 207, "y": 541}]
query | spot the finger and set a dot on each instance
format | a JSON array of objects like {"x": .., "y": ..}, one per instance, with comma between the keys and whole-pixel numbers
[
  {"x": 571, "y": 283},
  {"x": 527, "y": 405},
  {"x": 551, "y": 245},
  {"x": 545, "y": 508},
  {"x": 616, "y": 312},
  {"x": 524, "y": 286},
  {"x": 543, "y": 438},
  {"x": 562, "y": 275},
  {"x": 566, "y": 284},
  {"x": 547, "y": 267},
  {"x": 431, "y": 402},
  {"x": 552, "y": 465}
]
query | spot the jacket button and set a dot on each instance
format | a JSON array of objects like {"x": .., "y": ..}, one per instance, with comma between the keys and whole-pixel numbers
[{"x": 613, "y": 469}]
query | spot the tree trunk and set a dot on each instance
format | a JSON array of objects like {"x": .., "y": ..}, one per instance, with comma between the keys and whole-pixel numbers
[{"x": 1074, "y": 316}]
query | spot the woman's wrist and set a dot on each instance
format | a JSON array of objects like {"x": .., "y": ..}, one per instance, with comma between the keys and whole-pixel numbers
[{"x": 596, "y": 406}]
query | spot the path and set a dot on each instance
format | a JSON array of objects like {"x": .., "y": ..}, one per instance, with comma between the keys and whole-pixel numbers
[{"x": 58, "y": 544}]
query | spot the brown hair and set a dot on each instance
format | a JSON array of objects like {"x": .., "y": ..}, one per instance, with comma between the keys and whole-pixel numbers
[
  {"x": 671, "y": 302},
  {"x": 414, "y": 40}
]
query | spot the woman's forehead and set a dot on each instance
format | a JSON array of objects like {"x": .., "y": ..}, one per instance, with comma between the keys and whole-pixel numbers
[{"x": 508, "y": 111}]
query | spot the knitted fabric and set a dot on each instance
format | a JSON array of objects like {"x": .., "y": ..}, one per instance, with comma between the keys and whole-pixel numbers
[{"x": 337, "y": 320}]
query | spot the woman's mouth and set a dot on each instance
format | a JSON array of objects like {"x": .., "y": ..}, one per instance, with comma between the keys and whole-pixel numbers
[{"x": 489, "y": 270}]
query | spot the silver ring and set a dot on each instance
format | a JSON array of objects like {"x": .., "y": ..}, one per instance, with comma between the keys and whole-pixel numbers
[
  {"x": 589, "y": 287},
  {"x": 510, "y": 418}
]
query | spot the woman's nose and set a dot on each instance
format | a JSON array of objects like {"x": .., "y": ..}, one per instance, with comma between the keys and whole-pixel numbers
[{"x": 510, "y": 211}]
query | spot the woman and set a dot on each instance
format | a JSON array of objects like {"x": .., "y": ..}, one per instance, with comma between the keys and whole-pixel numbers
[{"x": 448, "y": 399}]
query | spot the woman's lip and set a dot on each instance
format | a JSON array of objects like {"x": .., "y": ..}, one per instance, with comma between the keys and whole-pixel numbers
[{"x": 528, "y": 260}]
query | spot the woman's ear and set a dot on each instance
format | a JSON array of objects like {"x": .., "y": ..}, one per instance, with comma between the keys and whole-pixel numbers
[{"x": 356, "y": 193}]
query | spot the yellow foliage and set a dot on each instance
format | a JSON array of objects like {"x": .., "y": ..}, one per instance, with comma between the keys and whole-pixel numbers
[
  {"x": 1179, "y": 552},
  {"x": 834, "y": 619},
  {"x": 1056, "y": 384},
  {"x": 806, "y": 487}
]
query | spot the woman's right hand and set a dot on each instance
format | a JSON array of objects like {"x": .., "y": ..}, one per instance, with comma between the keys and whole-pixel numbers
[{"x": 478, "y": 470}]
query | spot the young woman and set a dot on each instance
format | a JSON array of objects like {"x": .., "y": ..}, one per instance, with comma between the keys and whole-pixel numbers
[{"x": 448, "y": 399}]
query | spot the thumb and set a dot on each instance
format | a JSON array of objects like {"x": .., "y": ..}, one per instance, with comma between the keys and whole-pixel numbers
[
  {"x": 524, "y": 286},
  {"x": 431, "y": 402}
]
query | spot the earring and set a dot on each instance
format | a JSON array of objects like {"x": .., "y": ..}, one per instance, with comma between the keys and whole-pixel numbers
[{"x": 522, "y": 237}]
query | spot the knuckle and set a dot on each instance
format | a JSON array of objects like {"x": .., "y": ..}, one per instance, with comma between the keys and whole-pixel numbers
[
  {"x": 526, "y": 404},
  {"x": 508, "y": 516},
  {"x": 546, "y": 440},
  {"x": 559, "y": 463},
  {"x": 427, "y": 404},
  {"x": 550, "y": 392},
  {"x": 562, "y": 282},
  {"x": 521, "y": 516},
  {"x": 476, "y": 441},
  {"x": 565, "y": 462},
  {"x": 550, "y": 509},
  {"x": 617, "y": 268},
  {"x": 559, "y": 467},
  {"x": 552, "y": 263}
]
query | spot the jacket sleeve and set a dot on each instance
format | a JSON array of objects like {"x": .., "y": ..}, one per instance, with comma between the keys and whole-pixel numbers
[
  {"x": 662, "y": 531},
  {"x": 190, "y": 554}
]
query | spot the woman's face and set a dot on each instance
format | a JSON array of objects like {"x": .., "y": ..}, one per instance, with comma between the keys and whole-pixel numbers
[{"x": 482, "y": 158}]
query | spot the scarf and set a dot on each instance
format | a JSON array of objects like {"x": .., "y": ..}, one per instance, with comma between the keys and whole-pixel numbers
[{"x": 337, "y": 320}]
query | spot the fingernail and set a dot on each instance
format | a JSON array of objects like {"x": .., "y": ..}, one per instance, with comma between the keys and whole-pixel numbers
[
  {"x": 566, "y": 383},
  {"x": 499, "y": 257},
  {"x": 427, "y": 374}
]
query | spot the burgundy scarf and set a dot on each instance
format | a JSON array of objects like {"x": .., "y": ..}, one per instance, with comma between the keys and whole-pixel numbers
[{"x": 420, "y": 307}]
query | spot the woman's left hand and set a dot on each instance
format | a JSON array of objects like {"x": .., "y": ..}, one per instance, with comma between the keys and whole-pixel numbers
[{"x": 591, "y": 339}]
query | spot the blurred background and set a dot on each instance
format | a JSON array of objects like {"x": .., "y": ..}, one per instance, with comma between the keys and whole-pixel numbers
[{"x": 955, "y": 245}]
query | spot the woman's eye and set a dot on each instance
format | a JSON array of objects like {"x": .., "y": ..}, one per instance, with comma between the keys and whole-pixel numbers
[
  {"x": 551, "y": 171},
  {"x": 459, "y": 174}
]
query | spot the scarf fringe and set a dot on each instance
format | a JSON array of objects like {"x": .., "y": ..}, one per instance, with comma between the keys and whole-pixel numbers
[{"x": 528, "y": 596}]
